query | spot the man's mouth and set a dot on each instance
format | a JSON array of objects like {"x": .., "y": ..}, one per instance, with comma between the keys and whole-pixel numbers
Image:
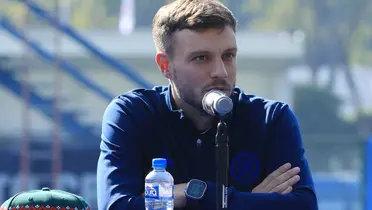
[{"x": 224, "y": 89}]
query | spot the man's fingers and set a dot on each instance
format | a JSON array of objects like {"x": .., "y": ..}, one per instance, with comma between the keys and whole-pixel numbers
[
  {"x": 288, "y": 190},
  {"x": 282, "y": 169},
  {"x": 294, "y": 180},
  {"x": 282, "y": 179},
  {"x": 279, "y": 180},
  {"x": 284, "y": 186},
  {"x": 288, "y": 174}
]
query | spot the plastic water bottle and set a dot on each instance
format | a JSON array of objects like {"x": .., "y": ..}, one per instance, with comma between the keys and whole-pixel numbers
[{"x": 159, "y": 187}]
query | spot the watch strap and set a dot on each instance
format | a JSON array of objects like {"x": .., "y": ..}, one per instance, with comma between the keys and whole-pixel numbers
[{"x": 191, "y": 203}]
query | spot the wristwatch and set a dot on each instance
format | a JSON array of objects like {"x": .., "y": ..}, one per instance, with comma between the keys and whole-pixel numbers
[{"x": 195, "y": 189}]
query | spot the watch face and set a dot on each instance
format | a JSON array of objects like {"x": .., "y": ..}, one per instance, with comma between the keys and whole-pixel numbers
[{"x": 196, "y": 189}]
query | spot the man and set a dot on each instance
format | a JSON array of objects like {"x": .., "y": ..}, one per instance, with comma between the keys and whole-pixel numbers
[
  {"x": 196, "y": 52},
  {"x": 45, "y": 199}
]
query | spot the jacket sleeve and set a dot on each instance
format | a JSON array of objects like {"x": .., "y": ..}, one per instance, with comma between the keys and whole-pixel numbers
[
  {"x": 285, "y": 145},
  {"x": 119, "y": 173}
]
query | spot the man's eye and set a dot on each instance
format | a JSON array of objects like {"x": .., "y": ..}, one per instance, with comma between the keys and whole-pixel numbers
[
  {"x": 229, "y": 55},
  {"x": 200, "y": 58}
]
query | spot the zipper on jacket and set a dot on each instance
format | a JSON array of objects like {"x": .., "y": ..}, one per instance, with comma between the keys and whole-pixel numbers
[{"x": 199, "y": 146}]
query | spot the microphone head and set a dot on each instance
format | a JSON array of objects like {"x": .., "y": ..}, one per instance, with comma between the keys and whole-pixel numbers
[
  {"x": 216, "y": 103},
  {"x": 223, "y": 105}
]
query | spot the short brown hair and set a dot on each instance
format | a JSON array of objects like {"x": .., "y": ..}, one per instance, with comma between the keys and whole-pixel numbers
[{"x": 189, "y": 14}]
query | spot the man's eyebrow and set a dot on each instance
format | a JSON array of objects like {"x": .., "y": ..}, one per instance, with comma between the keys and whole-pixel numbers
[
  {"x": 198, "y": 52},
  {"x": 203, "y": 52},
  {"x": 233, "y": 49}
]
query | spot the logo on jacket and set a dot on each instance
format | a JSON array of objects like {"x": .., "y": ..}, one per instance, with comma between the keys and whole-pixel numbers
[{"x": 244, "y": 167}]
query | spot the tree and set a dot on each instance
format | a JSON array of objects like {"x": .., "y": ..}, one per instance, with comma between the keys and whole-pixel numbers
[
  {"x": 337, "y": 31},
  {"x": 14, "y": 11},
  {"x": 317, "y": 111}
]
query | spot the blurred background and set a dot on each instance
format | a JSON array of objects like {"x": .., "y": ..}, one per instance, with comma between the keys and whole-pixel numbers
[{"x": 62, "y": 61}]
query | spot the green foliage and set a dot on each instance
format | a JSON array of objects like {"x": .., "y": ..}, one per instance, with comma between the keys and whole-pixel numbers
[
  {"x": 14, "y": 11},
  {"x": 323, "y": 21},
  {"x": 317, "y": 110},
  {"x": 274, "y": 15},
  {"x": 327, "y": 22}
]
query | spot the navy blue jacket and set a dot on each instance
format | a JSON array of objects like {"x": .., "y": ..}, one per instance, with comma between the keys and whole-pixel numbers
[{"x": 141, "y": 125}]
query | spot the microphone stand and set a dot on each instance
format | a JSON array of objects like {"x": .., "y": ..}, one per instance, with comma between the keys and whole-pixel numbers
[{"x": 222, "y": 164}]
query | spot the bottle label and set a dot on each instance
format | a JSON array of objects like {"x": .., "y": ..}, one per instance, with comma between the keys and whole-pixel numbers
[{"x": 162, "y": 191}]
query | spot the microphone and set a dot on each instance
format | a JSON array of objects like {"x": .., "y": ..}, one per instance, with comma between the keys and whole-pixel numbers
[{"x": 217, "y": 103}]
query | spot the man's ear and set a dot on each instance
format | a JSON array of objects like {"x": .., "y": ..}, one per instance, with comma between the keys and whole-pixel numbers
[{"x": 162, "y": 60}]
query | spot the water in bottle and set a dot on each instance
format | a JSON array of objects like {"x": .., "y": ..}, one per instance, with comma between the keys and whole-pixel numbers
[{"x": 159, "y": 187}]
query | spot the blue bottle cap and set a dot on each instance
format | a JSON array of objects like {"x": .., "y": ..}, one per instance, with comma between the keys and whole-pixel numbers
[{"x": 159, "y": 163}]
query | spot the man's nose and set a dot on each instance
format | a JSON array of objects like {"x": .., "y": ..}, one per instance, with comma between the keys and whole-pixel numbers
[{"x": 219, "y": 70}]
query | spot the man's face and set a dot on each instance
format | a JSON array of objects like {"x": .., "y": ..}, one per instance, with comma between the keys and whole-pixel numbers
[{"x": 202, "y": 61}]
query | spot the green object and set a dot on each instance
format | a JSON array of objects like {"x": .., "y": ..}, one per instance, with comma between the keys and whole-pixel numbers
[{"x": 45, "y": 199}]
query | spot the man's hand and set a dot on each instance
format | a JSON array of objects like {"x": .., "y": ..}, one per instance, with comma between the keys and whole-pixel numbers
[
  {"x": 279, "y": 181},
  {"x": 179, "y": 195}
]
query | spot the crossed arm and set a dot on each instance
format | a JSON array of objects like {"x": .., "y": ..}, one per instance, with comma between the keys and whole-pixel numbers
[
  {"x": 275, "y": 192},
  {"x": 287, "y": 187}
]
